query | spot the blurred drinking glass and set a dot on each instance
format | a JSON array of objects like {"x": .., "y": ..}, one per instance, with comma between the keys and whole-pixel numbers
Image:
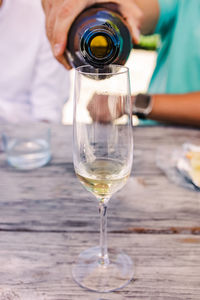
[{"x": 27, "y": 146}]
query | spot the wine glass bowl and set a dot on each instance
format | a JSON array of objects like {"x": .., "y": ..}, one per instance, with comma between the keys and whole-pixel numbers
[{"x": 102, "y": 155}]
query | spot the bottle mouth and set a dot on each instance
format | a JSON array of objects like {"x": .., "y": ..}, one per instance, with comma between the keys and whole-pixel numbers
[{"x": 99, "y": 47}]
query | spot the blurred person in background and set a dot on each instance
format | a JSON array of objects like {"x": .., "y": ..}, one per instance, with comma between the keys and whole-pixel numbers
[
  {"x": 174, "y": 91},
  {"x": 33, "y": 85}
]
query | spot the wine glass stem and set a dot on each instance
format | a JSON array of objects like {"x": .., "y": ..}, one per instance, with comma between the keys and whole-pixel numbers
[{"x": 104, "y": 260}]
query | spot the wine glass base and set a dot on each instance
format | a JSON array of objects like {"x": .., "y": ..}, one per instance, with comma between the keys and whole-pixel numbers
[{"x": 90, "y": 274}]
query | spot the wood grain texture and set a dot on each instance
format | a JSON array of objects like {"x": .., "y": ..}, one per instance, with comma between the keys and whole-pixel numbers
[
  {"x": 47, "y": 218},
  {"x": 52, "y": 199},
  {"x": 166, "y": 266}
]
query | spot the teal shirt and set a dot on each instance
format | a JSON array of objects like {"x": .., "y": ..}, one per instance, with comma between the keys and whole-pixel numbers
[{"x": 178, "y": 64}]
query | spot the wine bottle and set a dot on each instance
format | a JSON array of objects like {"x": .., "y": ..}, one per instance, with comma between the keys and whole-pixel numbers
[{"x": 98, "y": 37}]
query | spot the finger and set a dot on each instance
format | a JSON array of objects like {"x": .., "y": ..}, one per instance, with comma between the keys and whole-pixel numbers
[
  {"x": 134, "y": 29},
  {"x": 57, "y": 49},
  {"x": 64, "y": 61},
  {"x": 59, "y": 36},
  {"x": 46, "y": 6},
  {"x": 50, "y": 21},
  {"x": 132, "y": 15},
  {"x": 51, "y": 12},
  {"x": 66, "y": 14}
]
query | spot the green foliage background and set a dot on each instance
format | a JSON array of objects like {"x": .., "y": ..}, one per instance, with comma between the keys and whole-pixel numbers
[{"x": 149, "y": 42}]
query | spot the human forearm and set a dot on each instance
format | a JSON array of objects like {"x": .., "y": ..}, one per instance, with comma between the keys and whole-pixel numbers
[{"x": 181, "y": 109}]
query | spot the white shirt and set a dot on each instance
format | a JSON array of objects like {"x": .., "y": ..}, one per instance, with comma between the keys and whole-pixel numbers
[{"x": 33, "y": 85}]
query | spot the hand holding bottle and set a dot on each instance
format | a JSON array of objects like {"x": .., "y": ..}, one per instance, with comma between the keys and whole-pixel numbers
[{"x": 60, "y": 15}]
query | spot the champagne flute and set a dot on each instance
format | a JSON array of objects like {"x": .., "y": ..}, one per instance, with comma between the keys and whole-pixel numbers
[{"x": 102, "y": 155}]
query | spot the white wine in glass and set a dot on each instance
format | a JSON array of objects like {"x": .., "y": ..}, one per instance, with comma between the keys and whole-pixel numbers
[
  {"x": 102, "y": 177},
  {"x": 102, "y": 155}
]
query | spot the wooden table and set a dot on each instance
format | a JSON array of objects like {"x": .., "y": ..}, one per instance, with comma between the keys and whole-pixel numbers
[{"x": 47, "y": 218}]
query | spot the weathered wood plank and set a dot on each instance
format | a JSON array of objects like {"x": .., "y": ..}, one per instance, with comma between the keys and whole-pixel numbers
[
  {"x": 61, "y": 219},
  {"x": 146, "y": 139},
  {"x": 166, "y": 266},
  {"x": 54, "y": 199}
]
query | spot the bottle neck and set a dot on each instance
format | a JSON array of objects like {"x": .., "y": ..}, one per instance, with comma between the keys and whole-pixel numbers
[{"x": 100, "y": 45}]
